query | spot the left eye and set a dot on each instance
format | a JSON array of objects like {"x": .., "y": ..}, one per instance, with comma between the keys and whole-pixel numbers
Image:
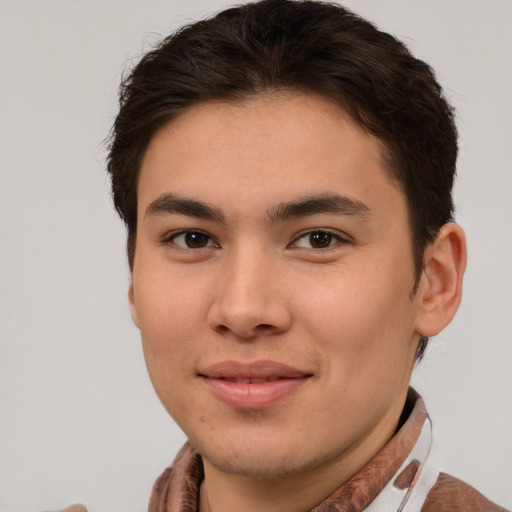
[
  {"x": 317, "y": 240},
  {"x": 192, "y": 240}
]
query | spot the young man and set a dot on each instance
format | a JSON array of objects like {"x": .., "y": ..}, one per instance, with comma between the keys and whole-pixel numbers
[{"x": 285, "y": 171}]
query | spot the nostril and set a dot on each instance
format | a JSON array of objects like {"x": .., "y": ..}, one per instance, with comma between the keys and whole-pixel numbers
[{"x": 264, "y": 326}]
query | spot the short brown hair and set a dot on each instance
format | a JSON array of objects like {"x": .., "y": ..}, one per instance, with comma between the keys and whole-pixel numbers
[{"x": 307, "y": 46}]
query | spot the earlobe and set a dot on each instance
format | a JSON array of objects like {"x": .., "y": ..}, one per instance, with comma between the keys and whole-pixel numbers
[
  {"x": 440, "y": 290},
  {"x": 131, "y": 301}
]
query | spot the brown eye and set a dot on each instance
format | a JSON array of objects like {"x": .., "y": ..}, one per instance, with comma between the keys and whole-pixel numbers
[
  {"x": 320, "y": 239},
  {"x": 192, "y": 240}
]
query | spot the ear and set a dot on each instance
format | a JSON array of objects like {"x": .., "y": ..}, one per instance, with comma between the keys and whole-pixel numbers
[
  {"x": 131, "y": 301},
  {"x": 440, "y": 290}
]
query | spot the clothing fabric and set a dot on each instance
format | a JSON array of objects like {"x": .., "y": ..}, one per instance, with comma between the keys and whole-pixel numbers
[{"x": 398, "y": 479}]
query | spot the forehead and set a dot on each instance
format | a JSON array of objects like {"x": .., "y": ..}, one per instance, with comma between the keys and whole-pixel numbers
[{"x": 265, "y": 147}]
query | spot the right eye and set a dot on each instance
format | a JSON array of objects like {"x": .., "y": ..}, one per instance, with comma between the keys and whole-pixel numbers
[{"x": 192, "y": 240}]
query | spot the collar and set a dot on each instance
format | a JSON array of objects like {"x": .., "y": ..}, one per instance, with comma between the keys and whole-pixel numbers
[{"x": 395, "y": 480}]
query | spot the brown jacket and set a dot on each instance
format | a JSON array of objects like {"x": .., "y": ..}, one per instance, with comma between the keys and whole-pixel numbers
[{"x": 177, "y": 488}]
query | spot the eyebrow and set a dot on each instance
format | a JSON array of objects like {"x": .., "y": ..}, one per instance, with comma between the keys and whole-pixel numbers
[
  {"x": 324, "y": 203},
  {"x": 170, "y": 204},
  {"x": 310, "y": 205}
]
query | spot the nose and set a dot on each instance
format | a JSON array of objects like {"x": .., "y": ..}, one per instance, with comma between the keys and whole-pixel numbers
[{"x": 249, "y": 301}]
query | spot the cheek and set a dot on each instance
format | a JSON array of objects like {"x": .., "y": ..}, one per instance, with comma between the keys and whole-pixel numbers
[
  {"x": 168, "y": 302},
  {"x": 169, "y": 314},
  {"x": 358, "y": 317},
  {"x": 169, "y": 359}
]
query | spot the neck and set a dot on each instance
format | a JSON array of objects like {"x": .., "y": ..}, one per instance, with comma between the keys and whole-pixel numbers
[
  {"x": 299, "y": 492},
  {"x": 239, "y": 493}
]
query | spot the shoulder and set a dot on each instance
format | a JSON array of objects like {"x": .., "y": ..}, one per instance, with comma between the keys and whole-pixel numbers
[
  {"x": 178, "y": 487},
  {"x": 450, "y": 494}
]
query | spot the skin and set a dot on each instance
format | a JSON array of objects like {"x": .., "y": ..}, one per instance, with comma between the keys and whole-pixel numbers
[{"x": 255, "y": 286}]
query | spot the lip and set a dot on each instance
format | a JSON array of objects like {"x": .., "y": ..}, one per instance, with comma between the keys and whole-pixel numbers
[{"x": 252, "y": 386}]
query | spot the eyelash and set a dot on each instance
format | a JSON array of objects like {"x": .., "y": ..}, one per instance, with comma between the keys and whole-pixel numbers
[
  {"x": 333, "y": 239},
  {"x": 173, "y": 236}
]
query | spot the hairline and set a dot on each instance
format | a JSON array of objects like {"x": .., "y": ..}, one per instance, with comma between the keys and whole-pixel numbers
[{"x": 239, "y": 97}]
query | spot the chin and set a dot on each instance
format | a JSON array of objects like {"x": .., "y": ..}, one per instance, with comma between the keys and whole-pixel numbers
[
  {"x": 257, "y": 468},
  {"x": 256, "y": 459}
]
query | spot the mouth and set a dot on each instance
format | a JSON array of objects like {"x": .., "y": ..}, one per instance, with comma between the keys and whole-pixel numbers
[
  {"x": 251, "y": 380},
  {"x": 252, "y": 386}
]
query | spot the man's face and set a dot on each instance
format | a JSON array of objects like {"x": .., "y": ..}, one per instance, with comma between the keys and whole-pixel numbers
[{"x": 272, "y": 284}]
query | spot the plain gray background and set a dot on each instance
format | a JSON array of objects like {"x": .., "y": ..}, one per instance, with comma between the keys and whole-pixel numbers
[{"x": 79, "y": 419}]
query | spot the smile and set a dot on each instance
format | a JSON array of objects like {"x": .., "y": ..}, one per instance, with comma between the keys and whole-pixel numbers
[
  {"x": 252, "y": 380},
  {"x": 254, "y": 386}
]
